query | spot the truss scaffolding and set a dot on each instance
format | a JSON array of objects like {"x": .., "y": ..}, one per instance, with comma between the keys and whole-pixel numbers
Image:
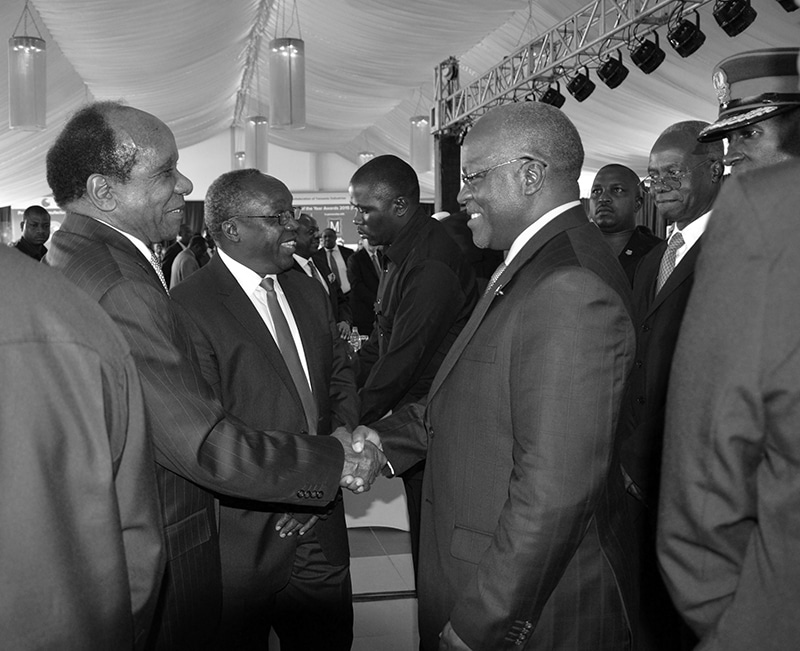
[{"x": 587, "y": 37}]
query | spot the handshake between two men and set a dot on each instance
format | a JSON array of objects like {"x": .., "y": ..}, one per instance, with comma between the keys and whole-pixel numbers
[{"x": 363, "y": 458}]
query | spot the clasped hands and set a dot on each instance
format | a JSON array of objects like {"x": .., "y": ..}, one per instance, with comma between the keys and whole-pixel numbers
[{"x": 363, "y": 458}]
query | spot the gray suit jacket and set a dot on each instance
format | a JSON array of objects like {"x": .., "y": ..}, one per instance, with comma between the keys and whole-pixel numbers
[
  {"x": 524, "y": 525},
  {"x": 729, "y": 516},
  {"x": 198, "y": 447}
]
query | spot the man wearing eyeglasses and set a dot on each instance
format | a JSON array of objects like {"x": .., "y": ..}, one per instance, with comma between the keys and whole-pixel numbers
[
  {"x": 524, "y": 530},
  {"x": 684, "y": 178},
  {"x": 281, "y": 567},
  {"x": 113, "y": 168}
]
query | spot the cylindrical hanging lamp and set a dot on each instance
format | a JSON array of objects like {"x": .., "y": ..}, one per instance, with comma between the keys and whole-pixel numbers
[
  {"x": 27, "y": 78},
  {"x": 287, "y": 83},
  {"x": 421, "y": 146},
  {"x": 237, "y": 147},
  {"x": 256, "y": 140},
  {"x": 364, "y": 156}
]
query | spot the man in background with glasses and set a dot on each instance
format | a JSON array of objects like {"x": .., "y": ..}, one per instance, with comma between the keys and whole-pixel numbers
[
  {"x": 281, "y": 567},
  {"x": 684, "y": 177}
]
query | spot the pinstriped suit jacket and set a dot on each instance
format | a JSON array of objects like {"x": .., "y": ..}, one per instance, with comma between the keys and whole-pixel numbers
[
  {"x": 198, "y": 448},
  {"x": 524, "y": 527}
]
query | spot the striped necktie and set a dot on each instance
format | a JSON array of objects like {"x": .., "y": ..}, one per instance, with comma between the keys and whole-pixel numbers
[
  {"x": 157, "y": 266},
  {"x": 668, "y": 260}
]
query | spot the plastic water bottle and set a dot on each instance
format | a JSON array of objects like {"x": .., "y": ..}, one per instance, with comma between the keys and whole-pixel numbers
[{"x": 355, "y": 339}]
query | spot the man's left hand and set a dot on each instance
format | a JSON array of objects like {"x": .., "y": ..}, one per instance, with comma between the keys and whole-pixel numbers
[
  {"x": 288, "y": 526},
  {"x": 449, "y": 640},
  {"x": 344, "y": 329}
]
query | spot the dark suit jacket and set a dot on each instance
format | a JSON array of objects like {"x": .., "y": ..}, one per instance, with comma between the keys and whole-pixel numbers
[
  {"x": 198, "y": 448},
  {"x": 321, "y": 258},
  {"x": 524, "y": 527},
  {"x": 729, "y": 522},
  {"x": 242, "y": 363},
  {"x": 363, "y": 279},
  {"x": 339, "y": 305},
  {"x": 81, "y": 549},
  {"x": 640, "y": 243},
  {"x": 658, "y": 320}
]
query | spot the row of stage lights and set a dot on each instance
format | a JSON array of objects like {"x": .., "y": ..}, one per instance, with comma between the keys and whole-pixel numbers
[{"x": 685, "y": 37}]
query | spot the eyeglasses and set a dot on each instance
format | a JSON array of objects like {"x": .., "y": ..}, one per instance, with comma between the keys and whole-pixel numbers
[
  {"x": 671, "y": 179},
  {"x": 283, "y": 217},
  {"x": 477, "y": 176}
]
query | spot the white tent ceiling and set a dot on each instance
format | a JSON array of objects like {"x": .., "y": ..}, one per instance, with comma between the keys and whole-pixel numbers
[{"x": 369, "y": 68}]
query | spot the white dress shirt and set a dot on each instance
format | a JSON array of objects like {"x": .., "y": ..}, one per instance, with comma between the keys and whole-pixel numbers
[
  {"x": 338, "y": 258},
  {"x": 250, "y": 282}
]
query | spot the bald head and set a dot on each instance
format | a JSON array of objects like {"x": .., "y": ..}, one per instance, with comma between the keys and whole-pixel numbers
[
  {"x": 389, "y": 177},
  {"x": 683, "y": 136},
  {"x": 521, "y": 160}
]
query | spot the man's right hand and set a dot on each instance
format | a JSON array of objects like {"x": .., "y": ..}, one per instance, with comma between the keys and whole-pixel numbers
[{"x": 360, "y": 467}]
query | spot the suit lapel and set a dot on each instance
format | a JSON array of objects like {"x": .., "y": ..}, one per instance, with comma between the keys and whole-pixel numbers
[
  {"x": 241, "y": 309},
  {"x": 97, "y": 231},
  {"x": 570, "y": 219}
]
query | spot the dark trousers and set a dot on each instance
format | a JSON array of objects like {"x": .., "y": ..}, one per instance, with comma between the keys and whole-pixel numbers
[
  {"x": 412, "y": 480},
  {"x": 314, "y": 610}
]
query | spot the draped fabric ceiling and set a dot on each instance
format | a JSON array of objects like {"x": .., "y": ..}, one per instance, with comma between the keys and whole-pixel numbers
[{"x": 369, "y": 68}]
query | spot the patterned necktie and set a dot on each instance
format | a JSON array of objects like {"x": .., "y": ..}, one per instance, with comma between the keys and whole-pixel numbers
[
  {"x": 315, "y": 274},
  {"x": 494, "y": 277},
  {"x": 668, "y": 260},
  {"x": 157, "y": 266},
  {"x": 285, "y": 341}
]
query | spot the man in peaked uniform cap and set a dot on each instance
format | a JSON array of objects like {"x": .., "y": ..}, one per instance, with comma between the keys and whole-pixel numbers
[{"x": 759, "y": 108}]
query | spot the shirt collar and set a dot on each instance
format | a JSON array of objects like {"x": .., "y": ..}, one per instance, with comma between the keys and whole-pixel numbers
[
  {"x": 692, "y": 231},
  {"x": 139, "y": 244},
  {"x": 248, "y": 279},
  {"x": 525, "y": 236},
  {"x": 404, "y": 242}
]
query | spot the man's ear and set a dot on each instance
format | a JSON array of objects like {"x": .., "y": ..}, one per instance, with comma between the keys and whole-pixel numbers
[
  {"x": 100, "y": 193},
  {"x": 717, "y": 170},
  {"x": 637, "y": 203},
  {"x": 230, "y": 231},
  {"x": 534, "y": 174},
  {"x": 401, "y": 205}
]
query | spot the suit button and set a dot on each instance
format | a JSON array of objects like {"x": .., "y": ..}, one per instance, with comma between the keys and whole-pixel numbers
[
  {"x": 430, "y": 431},
  {"x": 640, "y": 400},
  {"x": 645, "y": 327},
  {"x": 638, "y": 363}
]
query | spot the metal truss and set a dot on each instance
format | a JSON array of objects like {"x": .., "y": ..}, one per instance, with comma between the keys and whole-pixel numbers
[{"x": 587, "y": 37}]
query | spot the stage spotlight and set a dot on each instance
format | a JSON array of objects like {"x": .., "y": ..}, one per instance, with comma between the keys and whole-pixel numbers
[
  {"x": 734, "y": 16},
  {"x": 647, "y": 56},
  {"x": 553, "y": 96},
  {"x": 612, "y": 73},
  {"x": 580, "y": 86},
  {"x": 686, "y": 38},
  {"x": 788, "y": 5}
]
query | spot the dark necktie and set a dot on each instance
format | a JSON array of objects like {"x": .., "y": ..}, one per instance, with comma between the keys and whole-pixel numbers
[
  {"x": 334, "y": 266},
  {"x": 377, "y": 264},
  {"x": 317, "y": 276},
  {"x": 668, "y": 260},
  {"x": 288, "y": 349}
]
